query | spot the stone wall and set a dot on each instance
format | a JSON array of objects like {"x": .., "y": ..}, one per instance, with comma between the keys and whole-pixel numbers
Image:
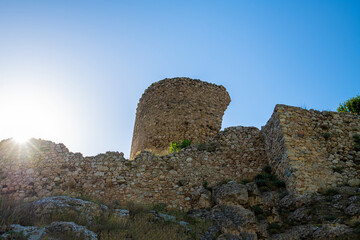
[
  {"x": 176, "y": 109},
  {"x": 313, "y": 150},
  {"x": 43, "y": 168},
  {"x": 310, "y": 150}
]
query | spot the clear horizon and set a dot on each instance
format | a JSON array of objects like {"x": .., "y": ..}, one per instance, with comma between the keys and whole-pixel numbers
[{"x": 73, "y": 72}]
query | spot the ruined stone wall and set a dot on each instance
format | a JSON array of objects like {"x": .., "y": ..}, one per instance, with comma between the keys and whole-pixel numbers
[
  {"x": 313, "y": 150},
  {"x": 176, "y": 109},
  {"x": 310, "y": 150},
  {"x": 43, "y": 168}
]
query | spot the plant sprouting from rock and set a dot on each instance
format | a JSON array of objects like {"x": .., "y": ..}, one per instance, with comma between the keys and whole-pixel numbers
[
  {"x": 176, "y": 147},
  {"x": 352, "y": 106}
]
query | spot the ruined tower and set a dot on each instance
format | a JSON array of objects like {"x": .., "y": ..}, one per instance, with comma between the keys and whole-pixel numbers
[{"x": 176, "y": 109}]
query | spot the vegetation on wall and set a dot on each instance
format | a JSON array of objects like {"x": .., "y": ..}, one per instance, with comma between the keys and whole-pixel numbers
[
  {"x": 176, "y": 147},
  {"x": 352, "y": 106}
]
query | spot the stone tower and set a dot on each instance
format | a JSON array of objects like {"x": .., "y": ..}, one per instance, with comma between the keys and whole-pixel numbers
[{"x": 176, "y": 109}]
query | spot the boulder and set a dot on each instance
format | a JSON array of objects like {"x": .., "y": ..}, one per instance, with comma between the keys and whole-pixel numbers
[
  {"x": 201, "y": 198},
  {"x": 231, "y": 193},
  {"x": 211, "y": 233},
  {"x": 56, "y": 230},
  {"x": 354, "y": 182},
  {"x": 17, "y": 231},
  {"x": 353, "y": 209},
  {"x": 45, "y": 209},
  {"x": 296, "y": 233},
  {"x": 71, "y": 230},
  {"x": 234, "y": 219},
  {"x": 333, "y": 231}
]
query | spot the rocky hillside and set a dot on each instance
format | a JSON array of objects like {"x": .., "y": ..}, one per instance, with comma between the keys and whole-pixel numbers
[{"x": 257, "y": 209}]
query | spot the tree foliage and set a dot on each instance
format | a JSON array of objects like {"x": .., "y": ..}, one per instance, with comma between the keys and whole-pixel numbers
[{"x": 352, "y": 106}]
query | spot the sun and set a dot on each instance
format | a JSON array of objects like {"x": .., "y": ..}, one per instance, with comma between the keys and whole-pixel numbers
[
  {"x": 21, "y": 139},
  {"x": 28, "y": 112}
]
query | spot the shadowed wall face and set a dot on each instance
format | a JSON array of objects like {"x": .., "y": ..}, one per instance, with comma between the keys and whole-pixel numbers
[{"x": 176, "y": 109}]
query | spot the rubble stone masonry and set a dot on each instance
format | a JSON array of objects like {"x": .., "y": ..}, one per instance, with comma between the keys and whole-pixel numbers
[
  {"x": 310, "y": 150},
  {"x": 313, "y": 150},
  {"x": 176, "y": 109},
  {"x": 42, "y": 168}
]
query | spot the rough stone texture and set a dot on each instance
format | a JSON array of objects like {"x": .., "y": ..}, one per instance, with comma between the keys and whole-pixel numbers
[
  {"x": 32, "y": 233},
  {"x": 234, "y": 219},
  {"x": 312, "y": 150},
  {"x": 176, "y": 109},
  {"x": 70, "y": 229},
  {"x": 235, "y": 153},
  {"x": 52, "y": 231},
  {"x": 45, "y": 207},
  {"x": 231, "y": 193}
]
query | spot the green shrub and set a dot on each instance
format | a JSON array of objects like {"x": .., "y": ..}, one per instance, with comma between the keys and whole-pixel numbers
[
  {"x": 357, "y": 227},
  {"x": 245, "y": 181},
  {"x": 159, "y": 207},
  {"x": 225, "y": 181},
  {"x": 356, "y": 138},
  {"x": 278, "y": 183},
  {"x": 205, "y": 184},
  {"x": 267, "y": 169},
  {"x": 274, "y": 228},
  {"x": 338, "y": 169},
  {"x": 357, "y": 147},
  {"x": 259, "y": 176},
  {"x": 282, "y": 194},
  {"x": 326, "y": 135},
  {"x": 185, "y": 143},
  {"x": 331, "y": 192},
  {"x": 257, "y": 210},
  {"x": 176, "y": 147},
  {"x": 352, "y": 106},
  {"x": 260, "y": 182}
]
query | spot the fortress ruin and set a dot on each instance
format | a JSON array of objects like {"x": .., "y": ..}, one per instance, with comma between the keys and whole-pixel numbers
[
  {"x": 310, "y": 150},
  {"x": 176, "y": 109}
]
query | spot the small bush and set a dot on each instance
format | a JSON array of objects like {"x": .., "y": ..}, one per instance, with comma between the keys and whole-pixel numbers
[
  {"x": 330, "y": 217},
  {"x": 357, "y": 227},
  {"x": 270, "y": 177},
  {"x": 356, "y": 147},
  {"x": 356, "y": 138},
  {"x": 257, "y": 210},
  {"x": 326, "y": 135},
  {"x": 225, "y": 181},
  {"x": 205, "y": 184},
  {"x": 267, "y": 169},
  {"x": 331, "y": 192},
  {"x": 245, "y": 181},
  {"x": 185, "y": 143},
  {"x": 279, "y": 183},
  {"x": 352, "y": 106},
  {"x": 160, "y": 207},
  {"x": 338, "y": 169},
  {"x": 259, "y": 176},
  {"x": 274, "y": 228},
  {"x": 260, "y": 182},
  {"x": 282, "y": 194},
  {"x": 264, "y": 189},
  {"x": 176, "y": 147}
]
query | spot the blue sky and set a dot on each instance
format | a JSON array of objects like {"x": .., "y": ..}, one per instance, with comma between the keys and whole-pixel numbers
[{"x": 73, "y": 71}]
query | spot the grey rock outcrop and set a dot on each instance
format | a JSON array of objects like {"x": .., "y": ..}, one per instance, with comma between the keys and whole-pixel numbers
[
  {"x": 231, "y": 193},
  {"x": 44, "y": 208}
]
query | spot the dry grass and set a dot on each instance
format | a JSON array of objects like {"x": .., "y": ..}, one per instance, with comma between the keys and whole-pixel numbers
[{"x": 141, "y": 224}]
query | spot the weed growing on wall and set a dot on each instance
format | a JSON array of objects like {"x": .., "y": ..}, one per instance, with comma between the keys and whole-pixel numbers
[{"x": 176, "y": 147}]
